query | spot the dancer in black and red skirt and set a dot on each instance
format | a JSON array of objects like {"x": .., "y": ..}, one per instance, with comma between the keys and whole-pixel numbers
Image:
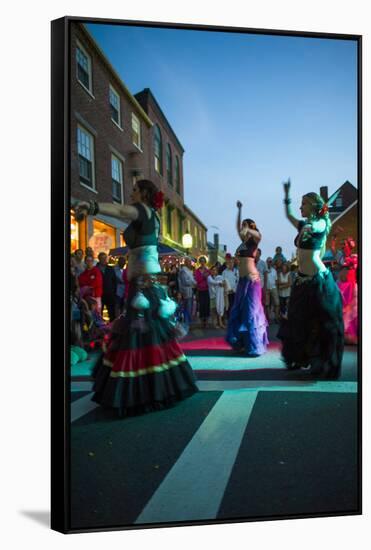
[
  {"x": 313, "y": 334},
  {"x": 144, "y": 368}
]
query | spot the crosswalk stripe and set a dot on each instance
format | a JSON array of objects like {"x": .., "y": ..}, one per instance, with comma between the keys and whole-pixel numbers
[
  {"x": 82, "y": 406},
  {"x": 194, "y": 487},
  {"x": 277, "y": 385}
]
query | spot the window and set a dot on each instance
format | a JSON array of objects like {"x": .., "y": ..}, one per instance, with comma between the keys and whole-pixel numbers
[
  {"x": 180, "y": 226},
  {"x": 195, "y": 236},
  {"x": 114, "y": 100},
  {"x": 85, "y": 148},
  {"x": 158, "y": 149},
  {"x": 169, "y": 165},
  {"x": 168, "y": 220},
  {"x": 339, "y": 202},
  {"x": 177, "y": 175},
  {"x": 116, "y": 168},
  {"x": 83, "y": 62},
  {"x": 137, "y": 136}
]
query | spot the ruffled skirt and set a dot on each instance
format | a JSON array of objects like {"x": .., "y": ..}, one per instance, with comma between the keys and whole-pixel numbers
[
  {"x": 144, "y": 368},
  {"x": 313, "y": 334},
  {"x": 247, "y": 324}
]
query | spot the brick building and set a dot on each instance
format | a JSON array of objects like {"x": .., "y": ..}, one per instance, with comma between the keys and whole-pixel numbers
[
  {"x": 110, "y": 144},
  {"x": 117, "y": 138},
  {"x": 166, "y": 171},
  {"x": 194, "y": 226},
  {"x": 343, "y": 214}
]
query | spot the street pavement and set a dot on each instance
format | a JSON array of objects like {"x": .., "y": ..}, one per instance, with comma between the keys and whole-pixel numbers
[{"x": 256, "y": 441}]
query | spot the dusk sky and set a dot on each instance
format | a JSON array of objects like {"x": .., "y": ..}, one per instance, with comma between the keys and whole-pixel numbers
[{"x": 250, "y": 111}]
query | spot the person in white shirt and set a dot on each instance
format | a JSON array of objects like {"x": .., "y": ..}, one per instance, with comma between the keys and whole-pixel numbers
[
  {"x": 216, "y": 291},
  {"x": 284, "y": 289},
  {"x": 271, "y": 292},
  {"x": 187, "y": 283},
  {"x": 261, "y": 266},
  {"x": 230, "y": 277}
]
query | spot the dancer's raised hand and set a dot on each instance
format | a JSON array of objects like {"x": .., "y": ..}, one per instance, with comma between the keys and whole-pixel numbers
[
  {"x": 239, "y": 204},
  {"x": 287, "y": 186}
]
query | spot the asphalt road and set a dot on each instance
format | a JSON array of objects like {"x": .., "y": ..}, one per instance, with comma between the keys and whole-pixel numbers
[{"x": 256, "y": 441}]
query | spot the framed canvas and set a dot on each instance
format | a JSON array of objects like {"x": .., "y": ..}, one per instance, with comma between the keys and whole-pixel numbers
[{"x": 206, "y": 192}]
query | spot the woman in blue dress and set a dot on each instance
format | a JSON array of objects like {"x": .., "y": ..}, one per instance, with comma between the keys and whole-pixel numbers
[{"x": 247, "y": 324}]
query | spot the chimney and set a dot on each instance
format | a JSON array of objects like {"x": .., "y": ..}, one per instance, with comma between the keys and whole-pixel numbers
[
  {"x": 323, "y": 191},
  {"x": 216, "y": 241}
]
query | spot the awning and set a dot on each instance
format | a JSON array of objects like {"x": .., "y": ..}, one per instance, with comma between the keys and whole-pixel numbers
[
  {"x": 116, "y": 222},
  {"x": 163, "y": 250}
]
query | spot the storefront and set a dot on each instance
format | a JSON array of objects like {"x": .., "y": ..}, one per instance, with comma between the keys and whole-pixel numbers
[
  {"x": 101, "y": 233},
  {"x": 103, "y": 237}
]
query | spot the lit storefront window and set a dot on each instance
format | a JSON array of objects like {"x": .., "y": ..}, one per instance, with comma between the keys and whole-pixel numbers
[
  {"x": 74, "y": 233},
  {"x": 103, "y": 238}
]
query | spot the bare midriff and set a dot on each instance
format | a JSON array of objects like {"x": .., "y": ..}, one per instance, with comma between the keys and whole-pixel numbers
[
  {"x": 248, "y": 269},
  {"x": 309, "y": 261}
]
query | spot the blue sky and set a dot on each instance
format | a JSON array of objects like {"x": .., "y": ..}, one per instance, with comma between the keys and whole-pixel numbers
[{"x": 250, "y": 111}]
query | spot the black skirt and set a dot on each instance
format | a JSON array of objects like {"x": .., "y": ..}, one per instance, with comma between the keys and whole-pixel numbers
[{"x": 313, "y": 334}]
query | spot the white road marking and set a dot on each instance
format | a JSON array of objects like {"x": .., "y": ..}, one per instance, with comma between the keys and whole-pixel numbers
[
  {"x": 82, "y": 406},
  {"x": 194, "y": 487},
  {"x": 279, "y": 385}
]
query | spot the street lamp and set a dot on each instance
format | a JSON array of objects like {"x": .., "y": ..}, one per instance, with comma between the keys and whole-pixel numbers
[{"x": 187, "y": 242}]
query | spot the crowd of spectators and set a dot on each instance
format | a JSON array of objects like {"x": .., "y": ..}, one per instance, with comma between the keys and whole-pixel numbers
[{"x": 204, "y": 293}]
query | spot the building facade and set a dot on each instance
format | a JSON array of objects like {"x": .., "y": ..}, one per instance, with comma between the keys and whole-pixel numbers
[
  {"x": 110, "y": 145},
  {"x": 198, "y": 231},
  {"x": 116, "y": 139},
  {"x": 343, "y": 214}
]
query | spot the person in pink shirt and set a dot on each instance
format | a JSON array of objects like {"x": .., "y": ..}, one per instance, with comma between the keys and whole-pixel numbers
[{"x": 201, "y": 275}]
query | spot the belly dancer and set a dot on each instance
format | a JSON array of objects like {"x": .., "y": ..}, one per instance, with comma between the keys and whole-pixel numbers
[
  {"x": 144, "y": 368},
  {"x": 247, "y": 324},
  {"x": 313, "y": 334}
]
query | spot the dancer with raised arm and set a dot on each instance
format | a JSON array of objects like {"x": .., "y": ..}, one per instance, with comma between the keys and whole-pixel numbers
[
  {"x": 144, "y": 368},
  {"x": 313, "y": 334},
  {"x": 247, "y": 325}
]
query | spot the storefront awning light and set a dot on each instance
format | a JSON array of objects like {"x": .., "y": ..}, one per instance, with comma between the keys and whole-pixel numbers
[{"x": 187, "y": 240}]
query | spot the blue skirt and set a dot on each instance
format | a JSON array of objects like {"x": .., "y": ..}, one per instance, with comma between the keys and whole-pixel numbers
[{"x": 247, "y": 324}]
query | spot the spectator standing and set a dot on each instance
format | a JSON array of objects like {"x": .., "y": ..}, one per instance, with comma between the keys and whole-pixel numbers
[
  {"x": 201, "y": 274},
  {"x": 109, "y": 285},
  {"x": 228, "y": 256},
  {"x": 92, "y": 278},
  {"x": 90, "y": 252},
  {"x": 79, "y": 261},
  {"x": 284, "y": 289},
  {"x": 219, "y": 267},
  {"x": 261, "y": 266},
  {"x": 186, "y": 285},
  {"x": 216, "y": 291},
  {"x": 279, "y": 256},
  {"x": 271, "y": 293},
  {"x": 230, "y": 277},
  {"x": 172, "y": 281},
  {"x": 120, "y": 285}
]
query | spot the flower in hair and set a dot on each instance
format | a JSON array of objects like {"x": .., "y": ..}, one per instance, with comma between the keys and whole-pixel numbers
[
  {"x": 159, "y": 200},
  {"x": 323, "y": 210}
]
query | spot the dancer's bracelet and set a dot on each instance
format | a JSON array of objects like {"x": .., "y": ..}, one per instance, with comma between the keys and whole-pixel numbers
[{"x": 287, "y": 201}]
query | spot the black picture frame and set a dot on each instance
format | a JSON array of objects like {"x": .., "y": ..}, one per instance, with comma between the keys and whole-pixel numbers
[{"x": 60, "y": 208}]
